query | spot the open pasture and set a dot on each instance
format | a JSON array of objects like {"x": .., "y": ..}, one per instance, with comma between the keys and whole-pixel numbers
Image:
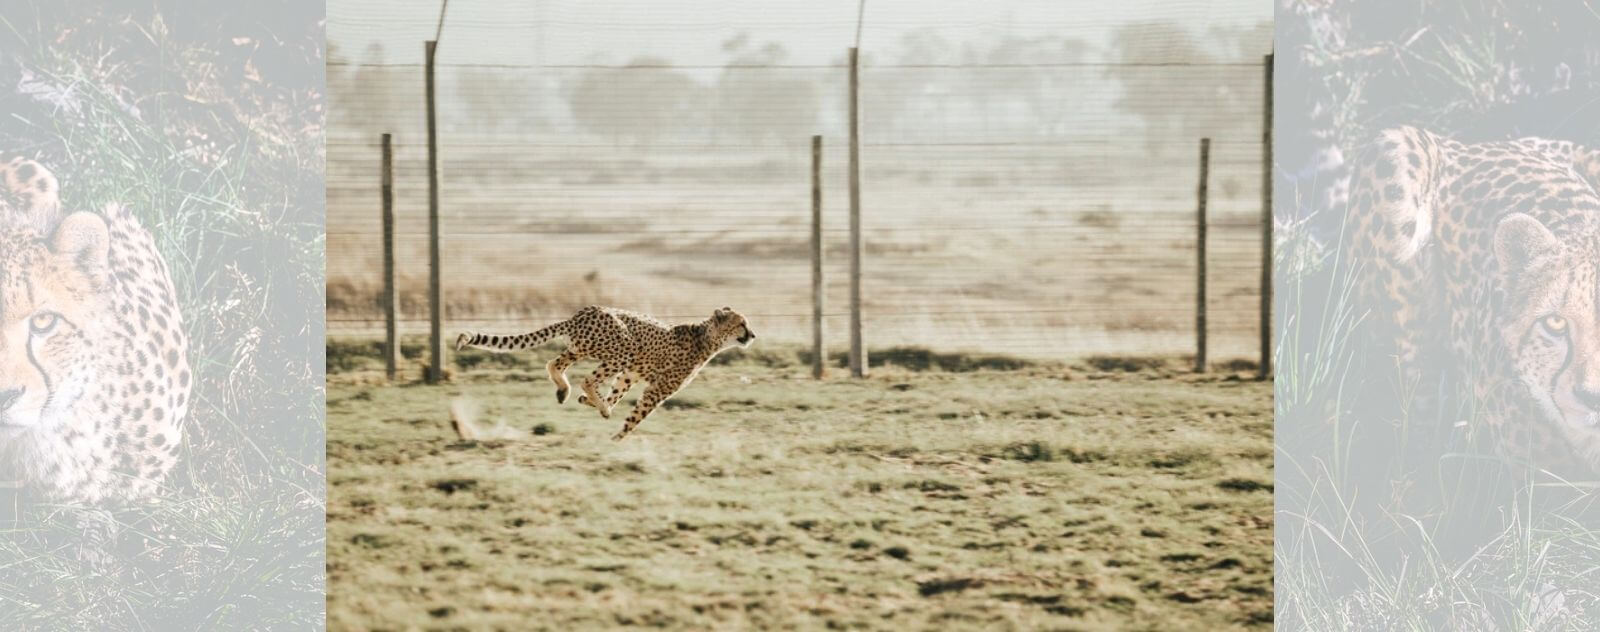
[{"x": 944, "y": 491}]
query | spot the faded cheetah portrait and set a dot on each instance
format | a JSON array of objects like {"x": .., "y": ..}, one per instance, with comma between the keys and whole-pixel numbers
[
  {"x": 94, "y": 373},
  {"x": 631, "y": 347},
  {"x": 1484, "y": 257}
]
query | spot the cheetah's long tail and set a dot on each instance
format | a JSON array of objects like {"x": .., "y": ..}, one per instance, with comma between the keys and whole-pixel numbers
[{"x": 510, "y": 343}]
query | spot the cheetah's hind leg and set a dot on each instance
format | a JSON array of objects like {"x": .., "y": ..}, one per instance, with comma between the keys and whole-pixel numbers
[
  {"x": 619, "y": 387},
  {"x": 558, "y": 374},
  {"x": 591, "y": 387}
]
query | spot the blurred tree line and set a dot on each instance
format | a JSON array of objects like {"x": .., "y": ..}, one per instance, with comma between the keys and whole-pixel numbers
[{"x": 1160, "y": 79}]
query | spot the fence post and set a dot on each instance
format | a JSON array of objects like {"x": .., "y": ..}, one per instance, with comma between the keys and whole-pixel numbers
[
  {"x": 391, "y": 333},
  {"x": 1200, "y": 259},
  {"x": 858, "y": 352},
  {"x": 817, "y": 358},
  {"x": 1264, "y": 367},
  {"x": 435, "y": 306}
]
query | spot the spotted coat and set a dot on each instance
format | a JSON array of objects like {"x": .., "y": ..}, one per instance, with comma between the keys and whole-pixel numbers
[
  {"x": 631, "y": 347},
  {"x": 94, "y": 374},
  {"x": 1483, "y": 257}
]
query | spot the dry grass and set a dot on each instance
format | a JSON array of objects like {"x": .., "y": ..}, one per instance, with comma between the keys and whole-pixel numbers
[
  {"x": 1024, "y": 269},
  {"x": 1044, "y": 496}
]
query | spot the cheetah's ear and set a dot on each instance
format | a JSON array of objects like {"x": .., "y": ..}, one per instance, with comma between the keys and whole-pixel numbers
[
  {"x": 85, "y": 239},
  {"x": 1519, "y": 239}
]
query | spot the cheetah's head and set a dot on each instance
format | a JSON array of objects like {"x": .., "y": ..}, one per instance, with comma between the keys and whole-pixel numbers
[
  {"x": 53, "y": 303},
  {"x": 1549, "y": 321},
  {"x": 728, "y": 327}
]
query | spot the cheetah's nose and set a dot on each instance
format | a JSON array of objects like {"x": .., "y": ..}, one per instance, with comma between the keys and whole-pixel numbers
[{"x": 9, "y": 397}]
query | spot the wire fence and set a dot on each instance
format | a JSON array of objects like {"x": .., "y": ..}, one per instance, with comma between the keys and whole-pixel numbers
[{"x": 1041, "y": 206}]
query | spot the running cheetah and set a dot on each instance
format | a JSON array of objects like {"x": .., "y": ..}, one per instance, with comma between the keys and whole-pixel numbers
[
  {"x": 94, "y": 373},
  {"x": 1485, "y": 257},
  {"x": 631, "y": 347}
]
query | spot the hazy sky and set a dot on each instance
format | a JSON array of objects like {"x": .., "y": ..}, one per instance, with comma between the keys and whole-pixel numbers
[{"x": 691, "y": 32}]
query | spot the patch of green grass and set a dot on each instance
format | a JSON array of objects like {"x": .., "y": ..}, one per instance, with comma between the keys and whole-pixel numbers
[
  {"x": 1244, "y": 485},
  {"x": 1127, "y": 364},
  {"x": 781, "y": 502}
]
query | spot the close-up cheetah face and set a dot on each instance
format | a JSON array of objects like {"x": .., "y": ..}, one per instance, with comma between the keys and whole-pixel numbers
[
  {"x": 731, "y": 325},
  {"x": 52, "y": 301},
  {"x": 1550, "y": 323}
]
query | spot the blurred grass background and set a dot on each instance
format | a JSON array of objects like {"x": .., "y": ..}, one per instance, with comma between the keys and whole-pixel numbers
[
  {"x": 1390, "y": 517},
  {"x": 208, "y": 122}
]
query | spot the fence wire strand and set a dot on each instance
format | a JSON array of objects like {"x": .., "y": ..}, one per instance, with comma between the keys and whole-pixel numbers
[{"x": 1021, "y": 193}]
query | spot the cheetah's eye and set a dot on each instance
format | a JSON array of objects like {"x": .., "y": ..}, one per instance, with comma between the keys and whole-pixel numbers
[
  {"x": 1554, "y": 324},
  {"x": 44, "y": 322}
]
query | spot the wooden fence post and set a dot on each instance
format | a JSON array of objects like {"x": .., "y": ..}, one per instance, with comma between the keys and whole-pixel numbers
[
  {"x": 818, "y": 359},
  {"x": 435, "y": 305},
  {"x": 1200, "y": 259},
  {"x": 391, "y": 333},
  {"x": 858, "y": 351},
  {"x": 1264, "y": 367}
]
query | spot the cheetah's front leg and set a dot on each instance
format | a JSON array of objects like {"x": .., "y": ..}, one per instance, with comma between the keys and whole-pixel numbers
[{"x": 652, "y": 397}]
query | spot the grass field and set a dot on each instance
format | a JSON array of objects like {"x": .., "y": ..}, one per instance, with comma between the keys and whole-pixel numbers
[{"x": 948, "y": 492}]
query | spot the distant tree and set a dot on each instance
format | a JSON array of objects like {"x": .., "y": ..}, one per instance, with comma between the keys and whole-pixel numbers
[
  {"x": 1176, "y": 86},
  {"x": 756, "y": 104},
  {"x": 1243, "y": 44},
  {"x": 642, "y": 102},
  {"x": 1012, "y": 86},
  {"x": 371, "y": 98},
  {"x": 492, "y": 100},
  {"x": 904, "y": 102},
  {"x": 341, "y": 85},
  {"x": 352, "y": 89},
  {"x": 1025, "y": 78}
]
